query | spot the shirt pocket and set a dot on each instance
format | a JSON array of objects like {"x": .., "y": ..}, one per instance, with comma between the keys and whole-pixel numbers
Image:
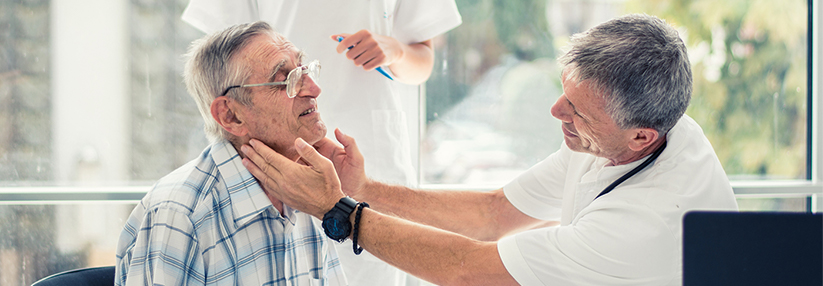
[{"x": 307, "y": 280}]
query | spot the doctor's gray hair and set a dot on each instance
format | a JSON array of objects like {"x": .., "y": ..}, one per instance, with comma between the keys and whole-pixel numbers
[
  {"x": 638, "y": 63},
  {"x": 210, "y": 69}
]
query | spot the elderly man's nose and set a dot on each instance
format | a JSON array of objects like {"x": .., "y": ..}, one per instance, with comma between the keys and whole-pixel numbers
[{"x": 309, "y": 87}]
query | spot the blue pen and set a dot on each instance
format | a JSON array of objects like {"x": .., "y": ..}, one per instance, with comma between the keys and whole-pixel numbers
[{"x": 380, "y": 69}]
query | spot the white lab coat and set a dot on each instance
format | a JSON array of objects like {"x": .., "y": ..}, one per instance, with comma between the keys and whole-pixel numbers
[{"x": 630, "y": 236}]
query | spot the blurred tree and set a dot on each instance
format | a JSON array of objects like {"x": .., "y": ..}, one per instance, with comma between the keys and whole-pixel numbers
[{"x": 527, "y": 40}]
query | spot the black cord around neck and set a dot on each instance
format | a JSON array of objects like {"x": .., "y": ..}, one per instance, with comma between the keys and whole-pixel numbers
[{"x": 633, "y": 171}]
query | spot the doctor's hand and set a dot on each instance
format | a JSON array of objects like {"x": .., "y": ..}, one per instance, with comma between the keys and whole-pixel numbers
[
  {"x": 312, "y": 188},
  {"x": 348, "y": 161},
  {"x": 370, "y": 50}
]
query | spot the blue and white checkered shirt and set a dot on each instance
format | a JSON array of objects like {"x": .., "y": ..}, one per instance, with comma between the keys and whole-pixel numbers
[{"x": 210, "y": 223}]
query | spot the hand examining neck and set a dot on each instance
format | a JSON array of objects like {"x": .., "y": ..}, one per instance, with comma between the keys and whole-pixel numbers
[
  {"x": 238, "y": 143},
  {"x": 313, "y": 188},
  {"x": 348, "y": 162}
]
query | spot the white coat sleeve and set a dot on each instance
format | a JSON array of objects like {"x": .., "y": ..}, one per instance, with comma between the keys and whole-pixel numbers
[
  {"x": 420, "y": 20},
  {"x": 538, "y": 192},
  {"x": 616, "y": 243}
]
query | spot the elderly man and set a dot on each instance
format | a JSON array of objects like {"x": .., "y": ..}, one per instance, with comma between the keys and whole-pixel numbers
[
  {"x": 631, "y": 165},
  {"x": 210, "y": 222}
]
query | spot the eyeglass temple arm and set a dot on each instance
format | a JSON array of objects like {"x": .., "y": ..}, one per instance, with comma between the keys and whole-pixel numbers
[
  {"x": 253, "y": 85},
  {"x": 265, "y": 83}
]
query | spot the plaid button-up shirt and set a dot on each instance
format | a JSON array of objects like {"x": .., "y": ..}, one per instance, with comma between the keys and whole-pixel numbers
[{"x": 210, "y": 223}]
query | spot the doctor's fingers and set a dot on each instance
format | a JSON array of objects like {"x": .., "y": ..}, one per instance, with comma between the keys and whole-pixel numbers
[
  {"x": 263, "y": 162},
  {"x": 369, "y": 54},
  {"x": 349, "y": 144},
  {"x": 361, "y": 53},
  {"x": 270, "y": 186},
  {"x": 327, "y": 147},
  {"x": 315, "y": 160},
  {"x": 345, "y": 43},
  {"x": 373, "y": 59}
]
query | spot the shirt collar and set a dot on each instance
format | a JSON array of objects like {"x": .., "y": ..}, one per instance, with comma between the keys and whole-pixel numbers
[{"x": 246, "y": 197}]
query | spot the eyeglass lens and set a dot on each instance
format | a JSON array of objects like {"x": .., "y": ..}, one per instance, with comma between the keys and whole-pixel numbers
[{"x": 295, "y": 77}]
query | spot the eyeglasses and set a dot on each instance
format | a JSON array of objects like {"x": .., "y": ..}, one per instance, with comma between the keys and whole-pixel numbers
[{"x": 294, "y": 81}]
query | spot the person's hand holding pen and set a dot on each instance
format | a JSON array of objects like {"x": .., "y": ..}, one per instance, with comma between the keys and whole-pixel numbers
[{"x": 369, "y": 50}]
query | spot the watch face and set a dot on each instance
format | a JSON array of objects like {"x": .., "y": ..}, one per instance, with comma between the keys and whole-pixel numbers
[
  {"x": 336, "y": 222},
  {"x": 336, "y": 229}
]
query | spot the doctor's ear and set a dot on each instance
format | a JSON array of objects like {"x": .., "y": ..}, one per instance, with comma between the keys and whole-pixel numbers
[
  {"x": 643, "y": 137},
  {"x": 226, "y": 116}
]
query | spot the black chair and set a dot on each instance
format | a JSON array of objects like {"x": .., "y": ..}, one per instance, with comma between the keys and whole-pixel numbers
[{"x": 93, "y": 276}]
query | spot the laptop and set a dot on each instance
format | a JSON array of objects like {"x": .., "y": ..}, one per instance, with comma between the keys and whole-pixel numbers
[{"x": 752, "y": 248}]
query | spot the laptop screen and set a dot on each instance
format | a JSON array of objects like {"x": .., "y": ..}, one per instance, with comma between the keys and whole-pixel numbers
[{"x": 752, "y": 248}]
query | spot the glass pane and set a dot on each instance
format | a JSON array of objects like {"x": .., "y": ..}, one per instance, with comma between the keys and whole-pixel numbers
[
  {"x": 40, "y": 240},
  {"x": 84, "y": 103},
  {"x": 781, "y": 204},
  {"x": 25, "y": 106},
  {"x": 495, "y": 79},
  {"x": 166, "y": 126}
]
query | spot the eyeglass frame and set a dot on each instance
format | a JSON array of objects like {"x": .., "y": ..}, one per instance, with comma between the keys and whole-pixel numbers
[{"x": 290, "y": 92}]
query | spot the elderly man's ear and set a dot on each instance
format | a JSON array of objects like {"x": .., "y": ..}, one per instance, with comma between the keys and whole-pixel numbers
[{"x": 223, "y": 110}]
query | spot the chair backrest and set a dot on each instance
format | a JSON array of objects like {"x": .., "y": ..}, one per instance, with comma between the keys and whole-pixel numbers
[
  {"x": 752, "y": 248},
  {"x": 94, "y": 276}
]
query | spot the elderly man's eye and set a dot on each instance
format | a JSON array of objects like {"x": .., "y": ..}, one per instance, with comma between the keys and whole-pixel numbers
[{"x": 282, "y": 77}]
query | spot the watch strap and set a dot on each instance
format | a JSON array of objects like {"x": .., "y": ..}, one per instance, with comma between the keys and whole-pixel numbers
[{"x": 346, "y": 204}]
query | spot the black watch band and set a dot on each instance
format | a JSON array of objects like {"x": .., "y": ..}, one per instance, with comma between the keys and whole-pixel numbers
[{"x": 336, "y": 222}]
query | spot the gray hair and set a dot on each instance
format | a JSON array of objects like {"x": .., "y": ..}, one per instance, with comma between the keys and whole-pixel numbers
[
  {"x": 638, "y": 63},
  {"x": 210, "y": 69}
]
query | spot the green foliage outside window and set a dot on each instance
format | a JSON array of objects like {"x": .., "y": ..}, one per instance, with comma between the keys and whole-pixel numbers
[{"x": 750, "y": 89}]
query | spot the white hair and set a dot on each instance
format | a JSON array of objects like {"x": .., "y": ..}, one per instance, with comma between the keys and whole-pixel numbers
[
  {"x": 638, "y": 63},
  {"x": 210, "y": 69}
]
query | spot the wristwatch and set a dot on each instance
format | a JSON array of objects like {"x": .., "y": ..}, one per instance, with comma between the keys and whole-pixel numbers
[{"x": 336, "y": 222}]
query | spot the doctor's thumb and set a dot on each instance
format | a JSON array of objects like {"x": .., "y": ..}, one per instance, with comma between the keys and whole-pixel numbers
[{"x": 308, "y": 153}]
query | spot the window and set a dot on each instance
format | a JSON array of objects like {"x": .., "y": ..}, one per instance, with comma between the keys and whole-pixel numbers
[
  {"x": 487, "y": 105},
  {"x": 94, "y": 109}
]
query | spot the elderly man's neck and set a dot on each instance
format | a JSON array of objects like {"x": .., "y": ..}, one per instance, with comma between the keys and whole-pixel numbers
[
  {"x": 290, "y": 153},
  {"x": 237, "y": 143}
]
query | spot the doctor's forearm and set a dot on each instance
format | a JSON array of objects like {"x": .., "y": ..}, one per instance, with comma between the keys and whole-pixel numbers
[
  {"x": 432, "y": 254},
  {"x": 483, "y": 216}
]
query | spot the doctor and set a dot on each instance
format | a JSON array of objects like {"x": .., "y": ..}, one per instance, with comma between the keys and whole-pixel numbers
[{"x": 631, "y": 165}]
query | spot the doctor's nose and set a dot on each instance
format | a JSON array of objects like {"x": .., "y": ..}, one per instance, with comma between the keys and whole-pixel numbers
[{"x": 561, "y": 109}]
